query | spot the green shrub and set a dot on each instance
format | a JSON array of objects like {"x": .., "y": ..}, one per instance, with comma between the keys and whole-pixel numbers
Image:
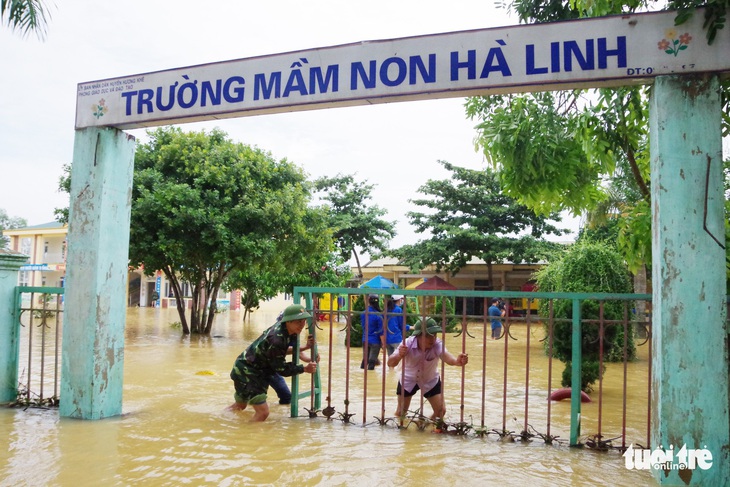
[
  {"x": 358, "y": 307},
  {"x": 589, "y": 375},
  {"x": 452, "y": 322},
  {"x": 587, "y": 267}
]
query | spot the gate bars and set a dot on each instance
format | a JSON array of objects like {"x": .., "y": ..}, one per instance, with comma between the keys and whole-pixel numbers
[{"x": 538, "y": 412}]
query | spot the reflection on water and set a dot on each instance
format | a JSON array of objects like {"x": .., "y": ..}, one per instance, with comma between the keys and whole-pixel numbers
[{"x": 176, "y": 430}]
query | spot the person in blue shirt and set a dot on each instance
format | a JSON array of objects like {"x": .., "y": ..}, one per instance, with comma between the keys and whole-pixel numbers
[
  {"x": 372, "y": 332},
  {"x": 395, "y": 323},
  {"x": 495, "y": 313}
]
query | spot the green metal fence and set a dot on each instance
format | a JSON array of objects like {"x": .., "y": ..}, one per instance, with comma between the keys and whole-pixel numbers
[
  {"x": 531, "y": 320},
  {"x": 39, "y": 313}
]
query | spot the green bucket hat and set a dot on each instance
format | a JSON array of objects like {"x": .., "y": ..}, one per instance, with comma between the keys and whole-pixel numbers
[
  {"x": 294, "y": 312},
  {"x": 431, "y": 327}
]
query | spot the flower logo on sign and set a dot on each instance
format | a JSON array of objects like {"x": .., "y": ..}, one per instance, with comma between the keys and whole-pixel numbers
[
  {"x": 675, "y": 43},
  {"x": 100, "y": 108}
]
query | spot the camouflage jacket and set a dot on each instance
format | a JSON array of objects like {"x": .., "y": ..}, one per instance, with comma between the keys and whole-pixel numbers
[{"x": 268, "y": 352}]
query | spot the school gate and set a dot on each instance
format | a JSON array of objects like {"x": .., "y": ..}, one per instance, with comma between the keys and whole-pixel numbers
[{"x": 690, "y": 379}]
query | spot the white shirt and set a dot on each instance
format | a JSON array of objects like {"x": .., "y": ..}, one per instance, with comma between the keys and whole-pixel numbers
[{"x": 421, "y": 366}]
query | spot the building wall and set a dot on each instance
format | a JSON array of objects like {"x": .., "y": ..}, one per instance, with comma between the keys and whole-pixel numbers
[{"x": 45, "y": 245}]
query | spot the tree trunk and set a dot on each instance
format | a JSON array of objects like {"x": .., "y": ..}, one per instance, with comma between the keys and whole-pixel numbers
[
  {"x": 357, "y": 259},
  {"x": 195, "y": 309},
  {"x": 179, "y": 299}
]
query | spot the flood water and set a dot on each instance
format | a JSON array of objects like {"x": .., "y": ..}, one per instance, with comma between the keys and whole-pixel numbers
[{"x": 175, "y": 429}]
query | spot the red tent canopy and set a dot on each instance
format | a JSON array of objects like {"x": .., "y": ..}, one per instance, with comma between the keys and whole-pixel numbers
[{"x": 436, "y": 283}]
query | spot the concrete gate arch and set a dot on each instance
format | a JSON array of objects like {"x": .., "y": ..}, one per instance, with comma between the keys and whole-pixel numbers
[{"x": 691, "y": 365}]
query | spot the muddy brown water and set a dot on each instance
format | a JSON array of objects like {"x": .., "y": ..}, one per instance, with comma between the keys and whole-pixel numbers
[{"x": 175, "y": 429}]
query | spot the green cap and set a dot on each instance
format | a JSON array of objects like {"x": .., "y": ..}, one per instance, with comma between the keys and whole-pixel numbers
[
  {"x": 294, "y": 312},
  {"x": 431, "y": 327}
]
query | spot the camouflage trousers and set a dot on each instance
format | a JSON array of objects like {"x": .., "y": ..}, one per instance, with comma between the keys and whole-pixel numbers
[{"x": 250, "y": 383}]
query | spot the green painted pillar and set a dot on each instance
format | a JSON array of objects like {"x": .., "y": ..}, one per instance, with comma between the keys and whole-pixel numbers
[
  {"x": 96, "y": 277},
  {"x": 10, "y": 263},
  {"x": 690, "y": 338}
]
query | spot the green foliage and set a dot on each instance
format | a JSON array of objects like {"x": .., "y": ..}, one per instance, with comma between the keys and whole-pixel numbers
[
  {"x": 634, "y": 239},
  {"x": 355, "y": 223},
  {"x": 260, "y": 284},
  {"x": 9, "y": 223},
  {"x": 466, "y": 216},
  {"x": 557, "y": 150},
  {"x": 606, "y": 231},
  {"x": 715, "y": 11},
  {"x": 411, "y": 307},
  {"x": 715, "y": 14},
  {"x": 204, "y": 206},
  {"x": 357, "y": 307},
  {"x": 537, "y": 151},
  {"x": 64, "y": 186},
  {"x": 412, "y": 316},
  {"x": 25, "y": 16},
  {"x": 589, "y": 375},
  {"x": 587, "y": 267},
  {"x": 452, "y": 322}
]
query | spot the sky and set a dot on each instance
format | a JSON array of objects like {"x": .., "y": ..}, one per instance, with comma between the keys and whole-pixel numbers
[{"x": 394, "y": 146}]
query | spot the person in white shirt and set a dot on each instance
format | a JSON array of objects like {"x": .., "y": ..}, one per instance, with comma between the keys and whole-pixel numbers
[{"x": 420, "y": 353}]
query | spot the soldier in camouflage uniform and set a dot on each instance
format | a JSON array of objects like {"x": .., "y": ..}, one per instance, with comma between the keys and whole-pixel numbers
[{"x": 265, "y": 357}]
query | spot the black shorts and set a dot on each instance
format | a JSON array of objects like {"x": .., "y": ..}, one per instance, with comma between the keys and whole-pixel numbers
[{"x": 434, "y": 390}]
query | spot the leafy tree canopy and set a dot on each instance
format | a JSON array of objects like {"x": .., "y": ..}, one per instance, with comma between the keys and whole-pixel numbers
[
  {"x": 582, "y": 151},
  {"x": 64, "y": 186},
  {"x": 9, "y": 223},
  {"x": 468, "y": 215},
  {"x": 715, "y": 12},
  {"x": 204, "y": 206},
  {"x": 355, "y": 222}
]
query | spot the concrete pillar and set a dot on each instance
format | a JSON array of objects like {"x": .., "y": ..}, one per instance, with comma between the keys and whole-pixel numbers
[
  {"x": 10, "y": 263},
  {"x": 690, "y": 336},
  {"x": 96, "y": 277}
]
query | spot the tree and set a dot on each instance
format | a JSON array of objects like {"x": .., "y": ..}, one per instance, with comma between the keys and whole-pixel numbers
[
  {"x": 467, "y": 215},
  {"x": 715, "y": 11},
  {"x": 64, "y": 186},
  {"x": 354, "y": 222},
  {"x": 25, "y": 16},
  {"x": 204, "y": 206},
  {"x": 577, "y": 150},
  {"x": 318, "y": 268},
  {"x": 8, "y": 223},
  {"x": 587, "y": 267}
]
